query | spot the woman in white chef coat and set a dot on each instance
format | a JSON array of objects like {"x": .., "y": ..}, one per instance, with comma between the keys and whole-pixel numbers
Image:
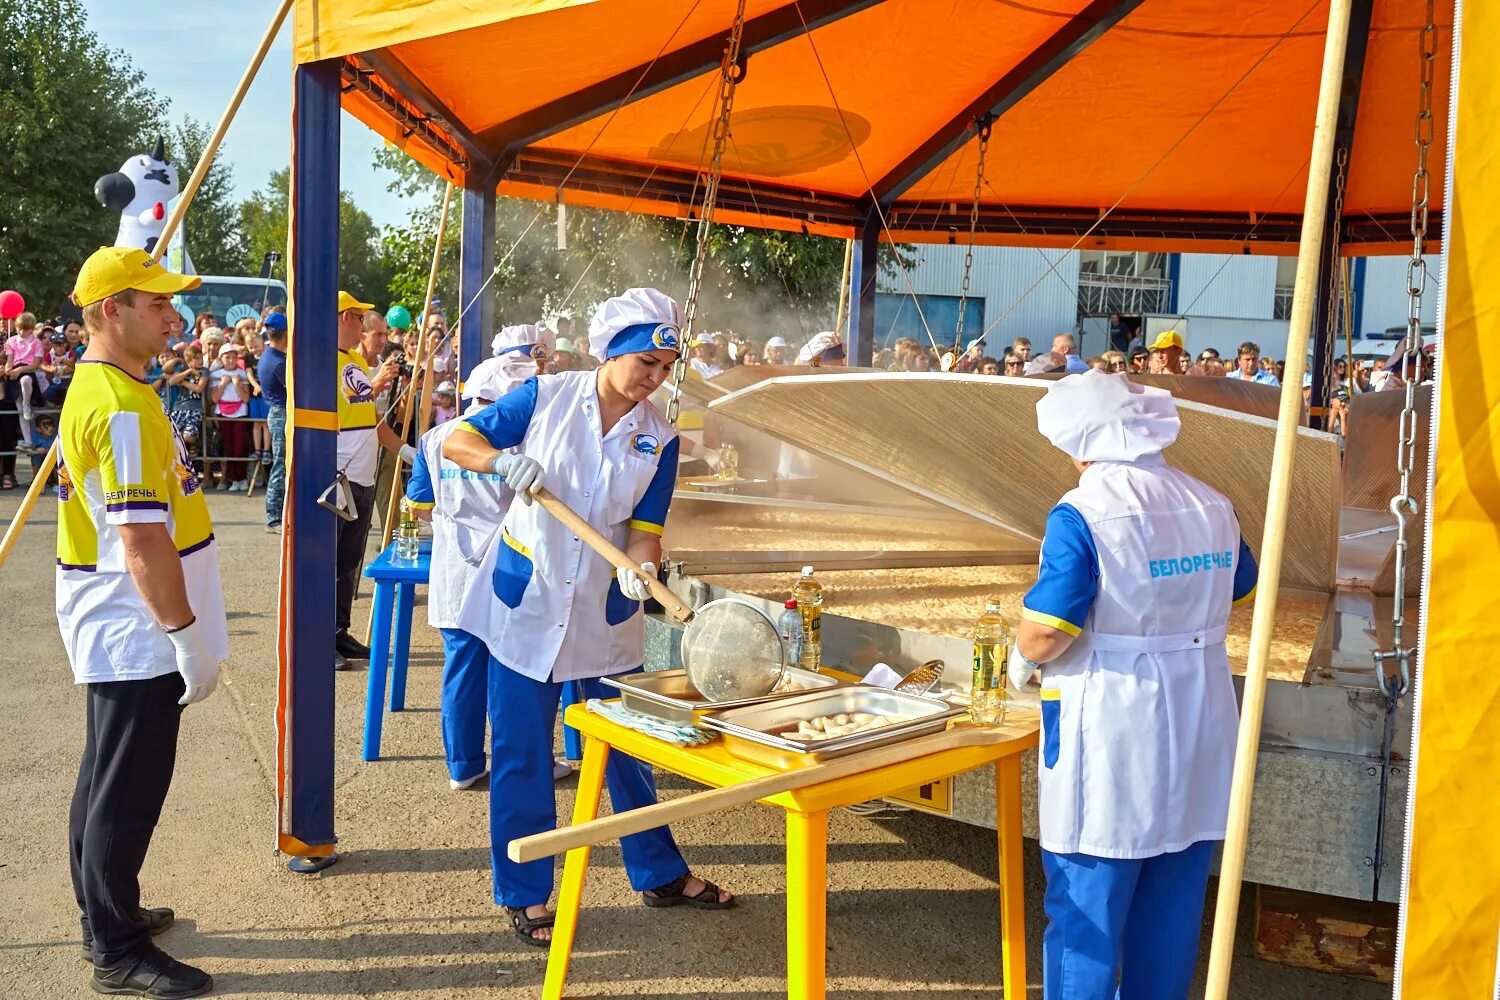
[
  {"x": 1140, "y": 564},
  {"x": 550, "y": 610},
  {"x": 465, "y": 509}
]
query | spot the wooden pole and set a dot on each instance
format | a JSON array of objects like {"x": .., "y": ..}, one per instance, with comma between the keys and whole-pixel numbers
[
  {"x": 424, "y": 359},
  {"x": 190, "y": 190},
  {"x": 1273, "y": 540},
  {"x": 843, "y": 313},
  {"x": 173, "y": 221}
]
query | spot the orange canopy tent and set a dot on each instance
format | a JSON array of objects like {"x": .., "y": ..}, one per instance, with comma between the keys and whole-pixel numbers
[{"x": 1186, "y": 120}]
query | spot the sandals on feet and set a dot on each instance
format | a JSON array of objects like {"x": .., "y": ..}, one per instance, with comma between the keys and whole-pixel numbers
[
  {"x": 7, "y": 483},
  {"x": 526, "y": 926},
  {"x": 672, "y": 894}
]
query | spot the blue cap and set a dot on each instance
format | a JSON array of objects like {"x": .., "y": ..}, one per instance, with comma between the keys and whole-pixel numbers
[
  {"x": 643, "y": 337},
  {"x": 276, "y": 321}
]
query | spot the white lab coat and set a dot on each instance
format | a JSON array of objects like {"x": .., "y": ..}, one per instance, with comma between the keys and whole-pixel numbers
[
  {"x": 467, "y": 510},
  {"x": 552, "y": 609},
  {"x": 1139, "y": 713}
]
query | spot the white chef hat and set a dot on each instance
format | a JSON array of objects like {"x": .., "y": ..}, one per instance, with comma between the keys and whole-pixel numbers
[
  {"x": 1097, "y": 416},
  {"x": 819, "y": 343},
  {"x": 642, "y": 319},
  {"x": 494, "y": 377},
  {"x": 522, "y": 338}
]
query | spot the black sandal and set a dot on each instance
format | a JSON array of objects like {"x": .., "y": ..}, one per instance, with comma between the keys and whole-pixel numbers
[
  {"x": 672, "y": 894},
  {"x": 525, "y": 925}
]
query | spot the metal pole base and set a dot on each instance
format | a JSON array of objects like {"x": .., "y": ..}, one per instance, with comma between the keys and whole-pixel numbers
[{"x": 311, "y": 866}]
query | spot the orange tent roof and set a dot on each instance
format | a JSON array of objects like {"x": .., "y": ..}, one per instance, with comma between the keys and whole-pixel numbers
[{"x": 1162, "y": 124}]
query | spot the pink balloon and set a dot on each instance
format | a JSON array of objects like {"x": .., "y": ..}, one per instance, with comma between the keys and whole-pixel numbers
[{"x": 11, "y": 304}]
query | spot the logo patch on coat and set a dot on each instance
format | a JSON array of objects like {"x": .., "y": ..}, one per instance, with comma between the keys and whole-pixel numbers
[
  {"x": 645, "y": 444},
  {"x": 664, "y": 337},
  {"x": 357, "y": 385}
]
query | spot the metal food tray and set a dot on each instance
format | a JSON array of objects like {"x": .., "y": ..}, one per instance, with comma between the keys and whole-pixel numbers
[
  {"x": 754, "y": 732},
  {"x": 669, "y": 695}
]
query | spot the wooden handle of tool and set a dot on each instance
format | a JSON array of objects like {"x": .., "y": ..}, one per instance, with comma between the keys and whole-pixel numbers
[
  {"x": 545, "y": 845},
  {"x": 38, "y": 484},
  {"x": 675, "y": 605}
]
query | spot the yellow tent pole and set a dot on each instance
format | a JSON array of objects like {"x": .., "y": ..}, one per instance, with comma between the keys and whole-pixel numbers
[
  {"x": 190, "y": 190},
  {"x": 425, "y": 350},
  {"x": 173, "y": 221},
  {"x": 843, "y": 313},
  {"x": 1310, "y": 250}
]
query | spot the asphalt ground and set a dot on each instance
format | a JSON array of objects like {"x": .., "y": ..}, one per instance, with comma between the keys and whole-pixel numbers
[{"x": 407, "y": 912}]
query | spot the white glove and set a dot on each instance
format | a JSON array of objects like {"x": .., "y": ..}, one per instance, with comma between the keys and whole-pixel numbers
[
  {"x": 198, "y": 666},
  {"x": 408, "y": 454},
  {"x": 713, "y": 457},
  {"x": 633, "y": 582},
  {"x": 519, "y": 472},
  {"x": 1019, "y": 671}
]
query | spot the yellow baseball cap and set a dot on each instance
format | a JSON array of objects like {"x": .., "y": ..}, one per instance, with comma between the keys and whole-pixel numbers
[
  {"x": 1166, "y": 339},
  {"x": 112, "y": 270},
  {"x": 347, "y": 301}
]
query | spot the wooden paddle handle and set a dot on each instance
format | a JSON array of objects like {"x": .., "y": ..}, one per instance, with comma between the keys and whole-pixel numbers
[
  {"x": 545, "y": 845},
  {"x": 591, "y": 537}
]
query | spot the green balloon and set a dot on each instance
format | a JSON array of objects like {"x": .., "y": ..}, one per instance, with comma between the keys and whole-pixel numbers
[{"x": 398, "y": 317}]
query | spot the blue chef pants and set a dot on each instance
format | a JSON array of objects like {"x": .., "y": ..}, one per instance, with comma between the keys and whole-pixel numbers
[
  {"x": 1135, "y": 921},
  {"x": 466, "y": 667},
  {"x": 523, "y": 801}
]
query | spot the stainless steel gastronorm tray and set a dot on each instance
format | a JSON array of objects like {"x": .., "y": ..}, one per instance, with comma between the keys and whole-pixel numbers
[
  {"x": 754, "y": 731},
  {"x": 669, "y": 695}
]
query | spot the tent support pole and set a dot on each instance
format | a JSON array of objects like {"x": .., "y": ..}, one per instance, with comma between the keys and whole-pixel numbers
[
  {"x": 476, "y": 260},
  {"x": 1323, "y": 333},
  {"x": 305, "y": 627},
  {"x": 1273, "y": 540},
  {"x": 864, "y": 265}
]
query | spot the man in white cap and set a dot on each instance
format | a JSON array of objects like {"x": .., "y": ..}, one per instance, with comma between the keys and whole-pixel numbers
[
  {"x": 551, "y": 611},
  {"x": 1126, "y": 622},
  {"x": 778, "y": 351}
]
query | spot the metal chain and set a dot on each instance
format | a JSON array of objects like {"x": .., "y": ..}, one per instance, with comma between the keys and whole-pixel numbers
[
  {"x": 1334, "y": 299},
  {"x": 984, "y": 125},
  {"x": 729, "y": 74},
  {"x": 1403, "y": 505}
]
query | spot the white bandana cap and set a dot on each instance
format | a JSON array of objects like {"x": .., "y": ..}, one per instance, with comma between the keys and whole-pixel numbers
[{"x": 1097, "y": 416}]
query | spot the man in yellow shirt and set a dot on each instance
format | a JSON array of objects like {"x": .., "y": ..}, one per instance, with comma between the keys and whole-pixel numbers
[
  {"x": 140, "y": 607},
  {"x": 362, "y": 433}
]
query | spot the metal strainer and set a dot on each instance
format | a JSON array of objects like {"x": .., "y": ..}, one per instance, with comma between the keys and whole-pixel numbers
[{"x": 730, "y": 649}]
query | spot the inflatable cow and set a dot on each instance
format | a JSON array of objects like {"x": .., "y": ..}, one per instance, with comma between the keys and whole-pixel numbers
[{"x": 141, "y": 191}]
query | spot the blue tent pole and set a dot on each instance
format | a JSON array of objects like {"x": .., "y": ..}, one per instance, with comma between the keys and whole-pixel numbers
[
  {"x": 860, "y": 349},
  {"x": 476, "y": 260},
  {"x": 304, "y": 716}
]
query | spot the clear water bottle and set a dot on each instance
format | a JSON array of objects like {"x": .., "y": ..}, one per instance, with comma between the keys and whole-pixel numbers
[
  {"x": 789, "y": 625},
  {"x": 809, "y": 597},
  {"x": 992, "y": 639},
  {"x": 408, "y": 538}
]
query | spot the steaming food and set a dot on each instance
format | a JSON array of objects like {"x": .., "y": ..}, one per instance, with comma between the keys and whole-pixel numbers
[{"x": 827, "y": 727}]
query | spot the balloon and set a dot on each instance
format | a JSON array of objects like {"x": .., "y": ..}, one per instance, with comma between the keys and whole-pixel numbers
[
  {"x": 398, "y": 317},
  {"x": 11, "y": 304}
]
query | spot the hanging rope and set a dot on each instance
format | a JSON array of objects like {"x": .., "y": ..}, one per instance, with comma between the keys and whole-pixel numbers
[{"x": 729, "y": 74}]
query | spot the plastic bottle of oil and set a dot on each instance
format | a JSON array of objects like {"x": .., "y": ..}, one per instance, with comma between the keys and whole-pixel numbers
[
  {"x": 408, "y": 538},
  {"x": 729, "y": 461},
  {"x": 808, "y": 593},
  {"x": 992, "y": 639}
]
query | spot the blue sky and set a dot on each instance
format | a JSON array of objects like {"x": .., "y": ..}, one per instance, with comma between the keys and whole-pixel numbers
[{"x": 193, "y": 53}]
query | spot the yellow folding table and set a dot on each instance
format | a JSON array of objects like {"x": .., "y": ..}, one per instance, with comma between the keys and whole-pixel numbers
[{"x": 806, "y": 835}]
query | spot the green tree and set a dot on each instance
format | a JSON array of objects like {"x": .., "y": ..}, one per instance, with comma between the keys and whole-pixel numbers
[
  {"x": 73, "y": 110},
  {"x": 211, "y": 228},
  {"x": 363, "y": 269}
]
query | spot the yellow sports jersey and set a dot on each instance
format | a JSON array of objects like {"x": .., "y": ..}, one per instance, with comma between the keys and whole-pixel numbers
[
  {"x": 121, "y": 462},
  {"x": 359, "y": 447}
]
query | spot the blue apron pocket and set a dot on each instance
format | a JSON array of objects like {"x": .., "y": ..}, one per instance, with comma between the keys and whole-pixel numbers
[
  {"x": 512, "y": 572},
  {"x": 618, "y": 609},
  {"x": 1051, "y": 707}
]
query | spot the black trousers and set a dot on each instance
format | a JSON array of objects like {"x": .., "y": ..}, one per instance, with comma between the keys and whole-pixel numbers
[
  {"x": 352, "y": 536},
  {"x": 129, "y": 751}
]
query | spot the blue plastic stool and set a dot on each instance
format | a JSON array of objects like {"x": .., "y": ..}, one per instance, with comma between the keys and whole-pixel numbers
[{"x": 395, "y": 594}]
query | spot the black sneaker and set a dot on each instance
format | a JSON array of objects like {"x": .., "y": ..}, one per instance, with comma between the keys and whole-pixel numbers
[
  {"x": 158, "y": 919},
  {"x": 151, "y": 973},
  {"x": 351, "y": 647}
]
